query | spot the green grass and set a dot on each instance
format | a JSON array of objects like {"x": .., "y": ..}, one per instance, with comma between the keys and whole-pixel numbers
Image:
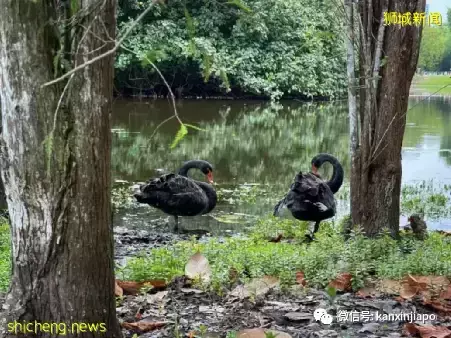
[
  {"x": 5, "y": 256},
  {"x": 321, "y": 261},
  {"x": 433, "y": 83}
]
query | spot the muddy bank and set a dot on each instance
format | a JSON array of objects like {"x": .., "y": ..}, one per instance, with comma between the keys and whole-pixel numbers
[
  {"x": 129, "y": 242},
  {"x": 184, "y": 310}
]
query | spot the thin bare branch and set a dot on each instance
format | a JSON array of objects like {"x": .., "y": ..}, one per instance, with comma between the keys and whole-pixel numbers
[
  {"x": 380, "y": 40},
  {"x": 107, "y": 53}
]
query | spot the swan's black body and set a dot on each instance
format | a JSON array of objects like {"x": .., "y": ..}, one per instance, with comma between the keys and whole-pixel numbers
[
  {"x": 179, "y": 195},
  {"x": 310, "y": 198}
]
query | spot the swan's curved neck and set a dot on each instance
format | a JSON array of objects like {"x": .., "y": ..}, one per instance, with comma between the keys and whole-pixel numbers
[
  {"x": 337, "y": 177},
  {"x": 187, "y": 167},
  {"x": 211, "y": 195}
]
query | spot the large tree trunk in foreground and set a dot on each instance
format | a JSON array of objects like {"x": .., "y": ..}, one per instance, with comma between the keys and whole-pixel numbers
[
  {"x": 391, "y": 52},
  {"x": 56, "y": 170}
]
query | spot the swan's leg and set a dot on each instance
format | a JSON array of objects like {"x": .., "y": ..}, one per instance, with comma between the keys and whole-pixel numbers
[
  {"x": 316, "y": 227},
  {"x": 176, "y": 226},
  {"x": 313, "y": 228}
]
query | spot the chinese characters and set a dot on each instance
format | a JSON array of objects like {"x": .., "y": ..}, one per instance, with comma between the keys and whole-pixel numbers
[{"x": 412, "y": 19}]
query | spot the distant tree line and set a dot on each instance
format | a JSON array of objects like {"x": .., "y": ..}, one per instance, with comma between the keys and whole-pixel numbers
[
  {"x": 265, "y": 48},
  {"x": 435, "y": 52}
]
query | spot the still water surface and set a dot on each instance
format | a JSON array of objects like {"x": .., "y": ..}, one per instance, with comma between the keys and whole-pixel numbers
[{"x": 264, "y": 144}]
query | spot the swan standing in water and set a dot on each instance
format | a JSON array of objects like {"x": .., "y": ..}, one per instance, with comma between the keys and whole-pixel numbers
[
  {"x": 310, "y": 198},
  {"x": 179, "y": 195}
]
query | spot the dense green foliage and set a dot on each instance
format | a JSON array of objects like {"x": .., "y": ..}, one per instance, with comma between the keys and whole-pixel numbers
[
  {"x": 321, "y": 261},
  {"x": 435, "y": 49},
  {"x": 264, "y": 48}
]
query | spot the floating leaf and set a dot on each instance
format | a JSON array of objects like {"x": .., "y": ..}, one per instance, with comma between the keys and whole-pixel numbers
[{"x": 183, "y": 131}]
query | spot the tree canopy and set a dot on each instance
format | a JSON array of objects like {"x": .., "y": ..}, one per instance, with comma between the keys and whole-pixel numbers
[
  {"x": 270, "y": 48},
  {"x": 435, "y": 50}
]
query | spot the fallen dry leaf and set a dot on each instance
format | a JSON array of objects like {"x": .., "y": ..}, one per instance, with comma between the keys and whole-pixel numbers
[
  {"x": 156, "y": 283},
  {"x": 442, "y": 303},
  {"x": 408, "y": 291},
  {"x": 198, "y": 267},
  {"x": 389, "y": 286},
  {"x": 300, "y": 278},
  {"x": 129, "y": 288},
  {"x": 133, "y": 288},
  {"x": 261, "y": 333},
  {"x": 118, "y": 291},
  {"x": 143, "y": 326},
  {"x": 157, "y": 297},
  {"x": 342, "y": 282},
  {"x": 257, "y": 287},
  {"x": 429, "y": 287},
  {"x": 427, "y": 331},
  {"x": 367, "y": 292}
]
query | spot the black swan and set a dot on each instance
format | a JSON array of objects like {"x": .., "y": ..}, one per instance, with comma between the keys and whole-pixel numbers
[
  {"x": 179, "y": 195},
  {"x": 310, "y": 197}
]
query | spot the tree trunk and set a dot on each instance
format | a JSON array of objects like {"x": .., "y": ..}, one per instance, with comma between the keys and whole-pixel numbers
[
  {"x": 390, "y": 52},
  {"x": 352, "y": 99},
  {"x": 56, "y": 166}
]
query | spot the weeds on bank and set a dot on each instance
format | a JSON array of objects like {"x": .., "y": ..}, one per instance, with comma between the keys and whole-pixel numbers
[
  {"x": 426, "y": 198},
  {"x": 5, "y": 256},
  {"x": 321, "y": 261}
]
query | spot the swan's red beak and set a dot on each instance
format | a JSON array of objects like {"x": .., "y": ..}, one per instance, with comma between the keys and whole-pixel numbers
[
  {"x": 210, "y": 177},
  {"x": 314, "y": 169}
]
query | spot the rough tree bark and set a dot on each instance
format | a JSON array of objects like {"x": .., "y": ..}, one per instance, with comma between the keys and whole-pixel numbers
[
  {"x": 390, "y": 52},
  {"x": 56, "y": 166}
]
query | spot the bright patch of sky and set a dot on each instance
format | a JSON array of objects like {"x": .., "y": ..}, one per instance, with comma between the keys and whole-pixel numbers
[{"x": 439, "y": 6}]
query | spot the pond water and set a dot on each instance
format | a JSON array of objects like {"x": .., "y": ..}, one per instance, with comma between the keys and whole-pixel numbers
[{"x": 257, "y": 148}]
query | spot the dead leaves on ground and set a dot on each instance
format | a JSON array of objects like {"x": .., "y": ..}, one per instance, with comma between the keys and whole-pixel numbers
[
  {"x": 427, "y": 331},
  {"x": 261, "y": 333},
  {"x": 133, "y": 288},
  {"x": 256, "y": 287},
  {"x": 434, "y": 291},
  {"x": 342, "y": 282},
  {"x": 300, "y": 278},
  {"x": 143, "y": 326}
]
